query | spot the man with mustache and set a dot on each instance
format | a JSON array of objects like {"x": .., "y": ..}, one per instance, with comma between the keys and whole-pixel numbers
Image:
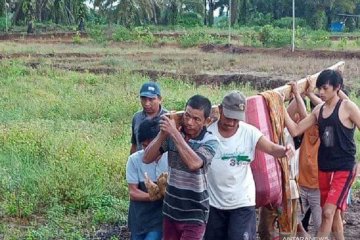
[
  {"x": 190, "y": 152},
  {"x": 231, "y": 183}
]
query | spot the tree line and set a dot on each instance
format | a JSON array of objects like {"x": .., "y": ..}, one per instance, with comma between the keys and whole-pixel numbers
[{"x": 317, "y": 13}]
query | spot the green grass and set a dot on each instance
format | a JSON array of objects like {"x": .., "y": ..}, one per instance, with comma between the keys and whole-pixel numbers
[{"x": 64, "y": 143}]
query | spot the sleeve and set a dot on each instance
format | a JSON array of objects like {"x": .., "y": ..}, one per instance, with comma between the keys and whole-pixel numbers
[
  {"x": 133, "y": 137},
  {"x": 207, "y": 151},
  {"x": 131, "y": 171}
]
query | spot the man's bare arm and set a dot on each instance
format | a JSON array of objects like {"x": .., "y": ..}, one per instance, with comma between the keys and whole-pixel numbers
[
  {"x": 152, "y": 151},
  {"x": 265, "y": 145},
  {"x": 354, "y": 113},
  {"x": 136, "y": 194},
  {"x": 297, "y": 129}
]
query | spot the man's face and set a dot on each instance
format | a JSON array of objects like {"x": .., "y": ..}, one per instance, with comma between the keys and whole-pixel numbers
[
  {"x": 145, "y": 143},
  {"x": 193, "y": 121},
  {"x": 151, "y": 105},
  {"x": 227, "y": 124},
  {"x": 327, "y": 92}
]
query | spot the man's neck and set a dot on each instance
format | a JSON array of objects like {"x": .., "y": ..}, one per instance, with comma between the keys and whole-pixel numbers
[
  {"x": 332, "y": 101},
  {"x": 154, "y": 114},
  {"x": 192, "y": 136}
]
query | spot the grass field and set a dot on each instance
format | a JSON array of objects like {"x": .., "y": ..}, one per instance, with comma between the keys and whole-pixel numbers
[{"x": 65, "y": 135}]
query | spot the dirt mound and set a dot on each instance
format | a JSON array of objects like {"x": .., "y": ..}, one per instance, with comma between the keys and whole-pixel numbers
[
  {"x": 285, "y": 52},
  {"x": 51, "y": 35}
]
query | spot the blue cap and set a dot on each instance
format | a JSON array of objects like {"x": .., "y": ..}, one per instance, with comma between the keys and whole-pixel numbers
[{"x": 150, "y": 90}]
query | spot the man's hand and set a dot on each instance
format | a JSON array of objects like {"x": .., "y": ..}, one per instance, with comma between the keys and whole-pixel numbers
[
  {"x": 289, "y": 151},
  {"x": 168, "y": 126},
  {"x": 310, "y": 86},
  {"x": 294, "y": 88}
]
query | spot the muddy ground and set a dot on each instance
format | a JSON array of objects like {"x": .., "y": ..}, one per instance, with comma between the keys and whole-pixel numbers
[{"x": 351, "y": 227}]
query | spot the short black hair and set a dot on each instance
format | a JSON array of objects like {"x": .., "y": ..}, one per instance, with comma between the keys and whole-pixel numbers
[
  {"x": 201, "y": 103},
  {"x": 148, "y": 129},
  {"x": 330, "y": 77}
]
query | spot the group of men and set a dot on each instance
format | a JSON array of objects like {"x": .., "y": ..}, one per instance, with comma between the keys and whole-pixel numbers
[{"x": 210, "y": 190}]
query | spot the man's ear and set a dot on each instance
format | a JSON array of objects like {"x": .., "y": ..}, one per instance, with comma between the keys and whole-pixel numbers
[{"x": 208, "y": 121}]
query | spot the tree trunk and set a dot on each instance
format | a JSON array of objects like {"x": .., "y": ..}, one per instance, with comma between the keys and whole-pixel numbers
[
  {"x": 205, "y": 13},
  {"x": 38, "y": 10},
  {"x": 234, "y": 12},
  {"x": 211, "y": 13},
  {"x": 17, "y": 12},
  {"x": 243, "y": 14}
]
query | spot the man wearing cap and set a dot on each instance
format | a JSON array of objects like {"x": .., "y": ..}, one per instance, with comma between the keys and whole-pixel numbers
[
  {"x": 150, "y": 98},
  {"x": 231, "y": 183}
]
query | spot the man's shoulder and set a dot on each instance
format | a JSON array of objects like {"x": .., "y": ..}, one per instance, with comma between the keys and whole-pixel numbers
[
  {"x": 163, "y": 110},
  {"x": 211, "y": 140},
  {"x": 244, "y": 126},
  {"x": 136, "y": 156},
  {"x": 138, "y": 114}
]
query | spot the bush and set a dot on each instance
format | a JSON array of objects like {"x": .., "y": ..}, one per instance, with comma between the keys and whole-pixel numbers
[
  {"x": 312, "y": 39},
  {"x": 122, "y": 34},
  {"x": 221, "y": 22},
  {"x": 275, "y": 37},
  {"x": 77, "y": 38},
  {"x": 343, "y": 43},
  {"x": 286, "y": 22},
  {"x": 97, "y": 33},
  {"x": 357, "y": 42},
  {"x": 251, "y": 38},
  {"x": 3, "y": 23},
  {"x": 260, "y": 19},
  {"x": 190, "y": 19},
  {"x": 191, "y": 39}
]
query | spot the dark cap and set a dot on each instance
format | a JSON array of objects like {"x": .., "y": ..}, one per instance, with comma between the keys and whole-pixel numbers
[
  {"x": 150, "y": 90},
  {"x": 233, "y": 105}
]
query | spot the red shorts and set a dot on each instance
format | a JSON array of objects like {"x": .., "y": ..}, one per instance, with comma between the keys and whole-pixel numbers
[{"x": 334, "y": 187}]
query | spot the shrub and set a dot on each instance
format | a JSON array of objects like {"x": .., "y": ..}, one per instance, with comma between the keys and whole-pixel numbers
[
  {"x": 312, "y": 39},
  {"x": 357, "y": 42},
  {"x": 77, "y": 38},
  {"x": 251, "y": 38},
  {"x": 260, "y": 19},
  {"x": 122, "y": 34},
  {"x": 191, "y": 39},
  {"x": 343, "y": 43},
  {"x": 221, "y": 22},
  {"x": 190, "y": 19},
  {"x": 97, "y": 33},
  {"x": 286, "y": 22},
  {"x": 275, "y": 37},
  {"x": 3, "y": 23}
]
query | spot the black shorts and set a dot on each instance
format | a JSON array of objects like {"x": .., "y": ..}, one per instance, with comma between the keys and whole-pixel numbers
[{"x": 239, "y": 224}]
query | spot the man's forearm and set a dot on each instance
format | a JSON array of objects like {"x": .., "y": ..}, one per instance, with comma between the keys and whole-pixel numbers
[
  {"x": 152, "y": 151},
  {"x": 188, "y": 155}
]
